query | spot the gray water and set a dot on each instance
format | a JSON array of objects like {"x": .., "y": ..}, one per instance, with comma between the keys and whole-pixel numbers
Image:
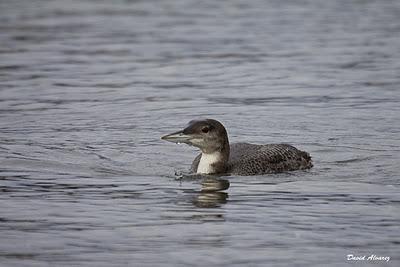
[{"x": 88, "y": 87}]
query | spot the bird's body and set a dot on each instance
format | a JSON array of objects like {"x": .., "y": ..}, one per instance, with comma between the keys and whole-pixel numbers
[
  {"x": 251, "y": 159},
  {"x": 220, "y": 157}
]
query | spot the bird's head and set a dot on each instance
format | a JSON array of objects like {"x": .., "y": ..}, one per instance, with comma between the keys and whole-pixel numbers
[{"x": 209, "y": 135}]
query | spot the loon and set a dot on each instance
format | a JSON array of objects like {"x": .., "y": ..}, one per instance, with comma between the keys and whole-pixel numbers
[{"x": 219, "y": 157}]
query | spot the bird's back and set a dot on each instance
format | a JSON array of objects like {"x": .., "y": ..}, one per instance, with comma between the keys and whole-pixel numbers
[{"x": 250, "y": 159}]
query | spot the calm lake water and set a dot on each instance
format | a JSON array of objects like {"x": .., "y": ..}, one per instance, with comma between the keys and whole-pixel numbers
[{"x": 88, "y": 87}]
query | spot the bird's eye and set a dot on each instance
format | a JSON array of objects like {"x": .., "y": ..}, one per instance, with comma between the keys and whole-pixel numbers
[{"x": 205, "y": 130}]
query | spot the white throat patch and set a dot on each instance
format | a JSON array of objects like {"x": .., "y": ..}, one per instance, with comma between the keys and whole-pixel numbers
[{"x": 206, "y": 161}]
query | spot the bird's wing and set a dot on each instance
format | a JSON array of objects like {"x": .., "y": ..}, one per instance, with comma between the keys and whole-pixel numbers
[{"x": 248, "y": 159}]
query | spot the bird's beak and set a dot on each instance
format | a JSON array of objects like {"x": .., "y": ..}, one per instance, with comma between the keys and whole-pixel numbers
[{"x": 177, "y": 137}]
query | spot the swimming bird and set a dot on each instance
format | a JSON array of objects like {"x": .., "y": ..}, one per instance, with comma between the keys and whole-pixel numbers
[{"x": 219, "y": 157}]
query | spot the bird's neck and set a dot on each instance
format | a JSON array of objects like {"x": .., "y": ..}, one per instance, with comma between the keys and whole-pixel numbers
[{"x": 214, "y": 162}]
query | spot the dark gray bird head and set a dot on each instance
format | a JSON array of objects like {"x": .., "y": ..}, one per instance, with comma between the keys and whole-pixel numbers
[{"x": 208, "y": 135}]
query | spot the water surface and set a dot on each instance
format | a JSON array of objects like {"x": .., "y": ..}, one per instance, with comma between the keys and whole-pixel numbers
[{"x": 88, "y": 87}]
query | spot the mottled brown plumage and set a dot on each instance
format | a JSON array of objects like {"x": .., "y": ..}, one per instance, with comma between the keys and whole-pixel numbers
[{"x": 250, "y": 159}]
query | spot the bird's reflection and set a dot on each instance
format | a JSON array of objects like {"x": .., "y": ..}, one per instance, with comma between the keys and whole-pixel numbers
[{"x": 210, "y": 195}]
